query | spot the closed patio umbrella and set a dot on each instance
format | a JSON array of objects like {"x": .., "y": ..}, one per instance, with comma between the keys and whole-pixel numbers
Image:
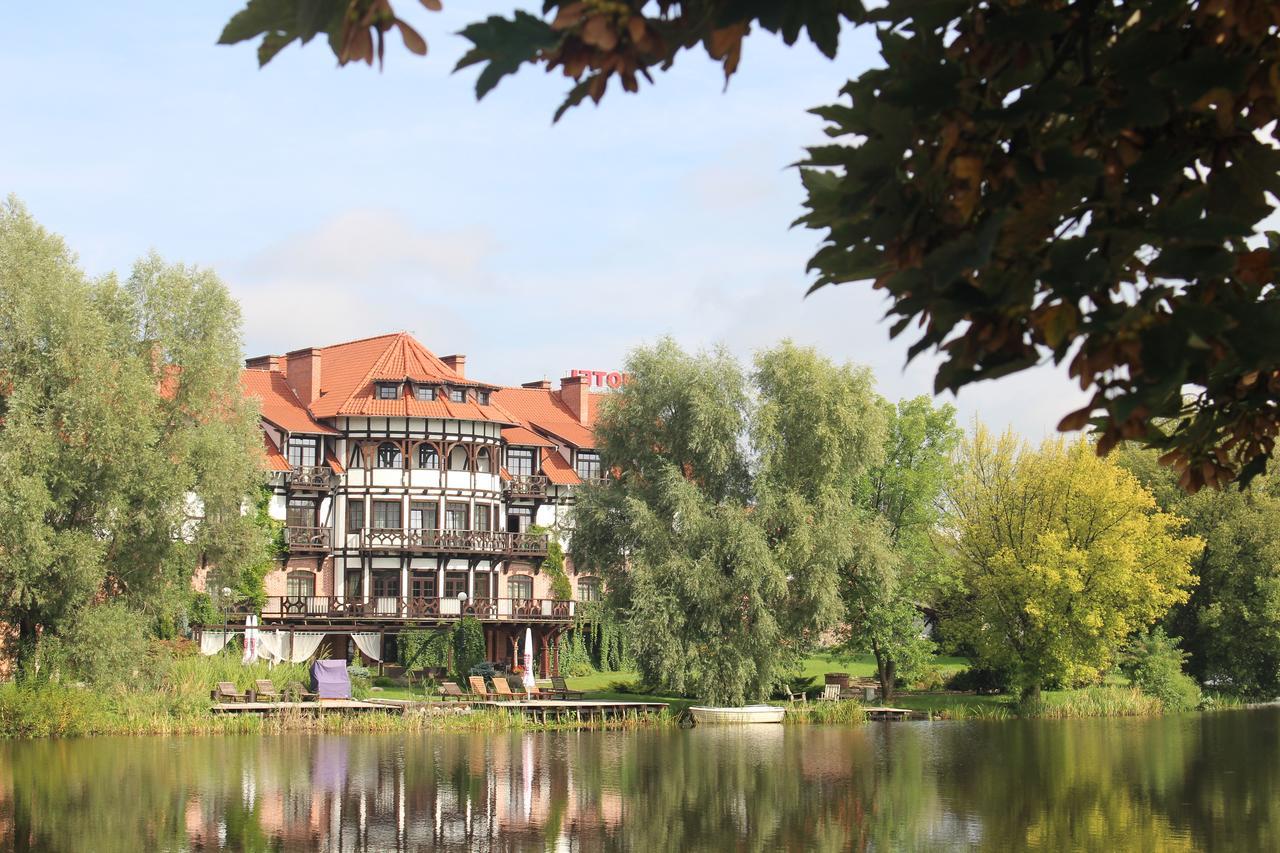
[{"x": 528, "y": 658}]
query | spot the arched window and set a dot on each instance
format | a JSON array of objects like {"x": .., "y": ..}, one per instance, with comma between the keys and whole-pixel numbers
[
  {"x": 300, "y": 584},
  {"x": 389, "y": 455},
  {"x": 428, "y": 457},
  {"x": 588, "y": 589},
  {"x": 482, "y": 461},
  {"x": 458, "y": 458},
  {"x": 520, "y": 587}
]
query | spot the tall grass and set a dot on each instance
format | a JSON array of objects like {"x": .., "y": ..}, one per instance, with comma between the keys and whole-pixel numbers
[
  {"x": 825, "y": 713},
  {"x": 1103, "y": 701}
]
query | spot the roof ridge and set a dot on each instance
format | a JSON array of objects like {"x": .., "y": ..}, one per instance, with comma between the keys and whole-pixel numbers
[{"x": 363, "y": 340}]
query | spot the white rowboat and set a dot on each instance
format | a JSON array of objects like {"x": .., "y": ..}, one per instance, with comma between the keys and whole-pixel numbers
[{"x": 749, "y": 714}]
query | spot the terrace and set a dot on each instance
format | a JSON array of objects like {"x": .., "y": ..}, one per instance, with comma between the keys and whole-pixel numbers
[{"x": 323, "y": 608}]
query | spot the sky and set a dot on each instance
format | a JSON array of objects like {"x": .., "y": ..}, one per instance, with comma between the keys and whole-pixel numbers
[{"x": 342, "y": 203}]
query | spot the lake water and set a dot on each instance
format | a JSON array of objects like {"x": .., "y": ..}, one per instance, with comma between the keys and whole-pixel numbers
[{"x": 1197, "y": 782}]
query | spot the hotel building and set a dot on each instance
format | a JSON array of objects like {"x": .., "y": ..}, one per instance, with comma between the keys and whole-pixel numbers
[{"x": 413, "y": 495}]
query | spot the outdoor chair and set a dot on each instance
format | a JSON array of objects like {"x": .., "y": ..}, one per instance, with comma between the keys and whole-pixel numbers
[
  {"x": 450, "y": 690},
  {"x": 560, "y": 688},
  {"x": 793, "y": 696},
  {"x": 480, "y": 689},
  {"x": 226, "y": 691},
  {"x": 502, "y": 689},
  {"x": 298, "y": 692},
  {"x": 264, "y": 690},
  {"x": 831, "y": 691}
]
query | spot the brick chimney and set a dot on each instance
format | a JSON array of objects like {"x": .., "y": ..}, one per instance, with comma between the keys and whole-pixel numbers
[
  {"x": 302, "y": 370},
  {"x": 456, "y": 363},
  {"x": 576, "y": 394},
  {"x": 538, "y": 385},
  {"x": 264, "y": 362}
]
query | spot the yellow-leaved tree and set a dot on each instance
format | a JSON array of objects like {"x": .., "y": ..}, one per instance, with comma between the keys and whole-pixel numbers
[{"x": 1061, "y": 555}]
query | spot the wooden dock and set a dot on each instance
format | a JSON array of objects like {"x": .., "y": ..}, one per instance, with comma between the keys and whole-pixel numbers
[
  {"x": 580, "y": 709},
  {"x": 894, "y": 715},
  {"x": 342, "y": 705}
]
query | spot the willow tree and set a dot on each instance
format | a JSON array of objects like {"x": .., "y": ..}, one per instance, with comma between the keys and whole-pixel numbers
[
  {"x": 897, "y": 564},
  {"x": 1061, "y": 556},
  {"x": 724, "y": 531},
  {"x": 127, "y": 453}
]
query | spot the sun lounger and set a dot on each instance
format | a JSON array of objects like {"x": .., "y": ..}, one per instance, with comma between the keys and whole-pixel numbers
[
  {"x": 264, "y": 690},
  {"x": 560, "y": 688},
  {"x": 226, "y": 692}
]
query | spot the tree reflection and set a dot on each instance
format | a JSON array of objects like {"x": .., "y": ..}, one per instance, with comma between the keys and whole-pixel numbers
[{"x": 1193, "y": 782}]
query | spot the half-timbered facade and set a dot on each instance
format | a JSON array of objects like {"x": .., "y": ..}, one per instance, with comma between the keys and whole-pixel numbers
[{"x": 413, "y": 495}]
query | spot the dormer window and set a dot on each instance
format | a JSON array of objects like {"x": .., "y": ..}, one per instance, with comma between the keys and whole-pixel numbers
[
  {"x": 482, "y": 397},
  {"x": 457, "y": 395},
  {"x": 424, "y": 392},
  {"x": 388, "y": 391}
]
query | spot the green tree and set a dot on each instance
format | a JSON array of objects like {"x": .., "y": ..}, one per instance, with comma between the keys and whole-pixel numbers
[
  {"x": 1061, "y": 555},
  {"x": 897, "y": 563},
  {"x": 1073, "y": 179},
  {"x": 1231, "y": 623},
  {"x": 723, "y": 537},
  {"x": 126, "y": 451}
]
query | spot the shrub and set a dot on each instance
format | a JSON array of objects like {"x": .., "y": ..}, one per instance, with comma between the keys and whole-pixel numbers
[
  {"x": 978, "y": 679},
  {"x": 361, "y": 680},
  {"x": 468, "y": 645},
  {"x": 930, "y": 678},
  {"x": 104, "y": 646},
  {"x": 1154, "y": 664}
]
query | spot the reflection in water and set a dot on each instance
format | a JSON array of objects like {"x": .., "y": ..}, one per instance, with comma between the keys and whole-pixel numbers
[{"x": 1193, "y": 782}]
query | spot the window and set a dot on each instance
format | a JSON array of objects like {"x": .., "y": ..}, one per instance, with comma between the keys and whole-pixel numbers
[
  {"x": 388, "y": 390},
  {"x": 483, "y": 585},
  {"x": 454, "y": 583},
  {"x": 386, "y": 584},
  {"x": 588, "y": 466},
  {"x": 386, "y": 515},
  {"x": 428, "y": 457},
  {"x": 302, "y": 452},
  {"x": 458, "y": 458},
  {"x": 455, "y": 516},
  {"x": 519, "y": 462},
  {"x": 520, "y": 587},
  {"x": 355, "y": 514},
  {"x": 424, "y": 515},
  {"x": 588, "y": 589},
  {"x": 300, "y": 513},
  {"x": 423, "y": 585},
  {"x": 424, "y": 392},
  {"x": 389, "y": 455},
  {"x": 482, "y": 460},
  {"x": 482, "y": 397},
  {"x": 355, "y": 585},
  {"x": 458, "y": 395},
  {"x": 482, "y": 517},
  {"x": 519, "y": 519},
  {"x": 300, "y": 584}
]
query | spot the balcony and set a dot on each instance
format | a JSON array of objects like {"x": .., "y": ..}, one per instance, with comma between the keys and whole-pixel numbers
[
  {"x": 398, "y": 608},
  {"x": 496, "y": 543},
  {"x": 526, "y": 486},
  {"x": 304, "y": 539},
  {"x": 317, "y": 477}
]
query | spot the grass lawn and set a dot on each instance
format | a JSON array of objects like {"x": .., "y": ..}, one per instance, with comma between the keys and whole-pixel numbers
[{"x": 605, "y": 685}]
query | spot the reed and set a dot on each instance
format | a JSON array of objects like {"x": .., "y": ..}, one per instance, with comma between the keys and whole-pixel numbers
[
  {"x": 1103, "y": 701},
  {"x": 825, "y": 713}
]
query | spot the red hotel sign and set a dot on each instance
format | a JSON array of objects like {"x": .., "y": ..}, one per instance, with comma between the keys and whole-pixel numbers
[{"x": 603, "y": 378}]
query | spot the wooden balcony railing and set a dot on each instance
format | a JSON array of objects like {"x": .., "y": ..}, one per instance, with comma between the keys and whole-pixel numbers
[
  {"x": 308, "y": 538},
  {"x": 526, "y": 486},
  {"x": 312, "y": 477},
  {"x": 497, "y": 542},
  {"x": 333, "y": 607}
]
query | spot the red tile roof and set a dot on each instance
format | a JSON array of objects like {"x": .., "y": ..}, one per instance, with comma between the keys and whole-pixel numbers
[
  {"x": 275, "y": 459},
  {"x": 349, "y": 371},
  {"x": 557, "y": 470},
  {"x": 542, "y": 409},
  {"x": 522, "y": 437},
  {"x": 279, "y": 404}
]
